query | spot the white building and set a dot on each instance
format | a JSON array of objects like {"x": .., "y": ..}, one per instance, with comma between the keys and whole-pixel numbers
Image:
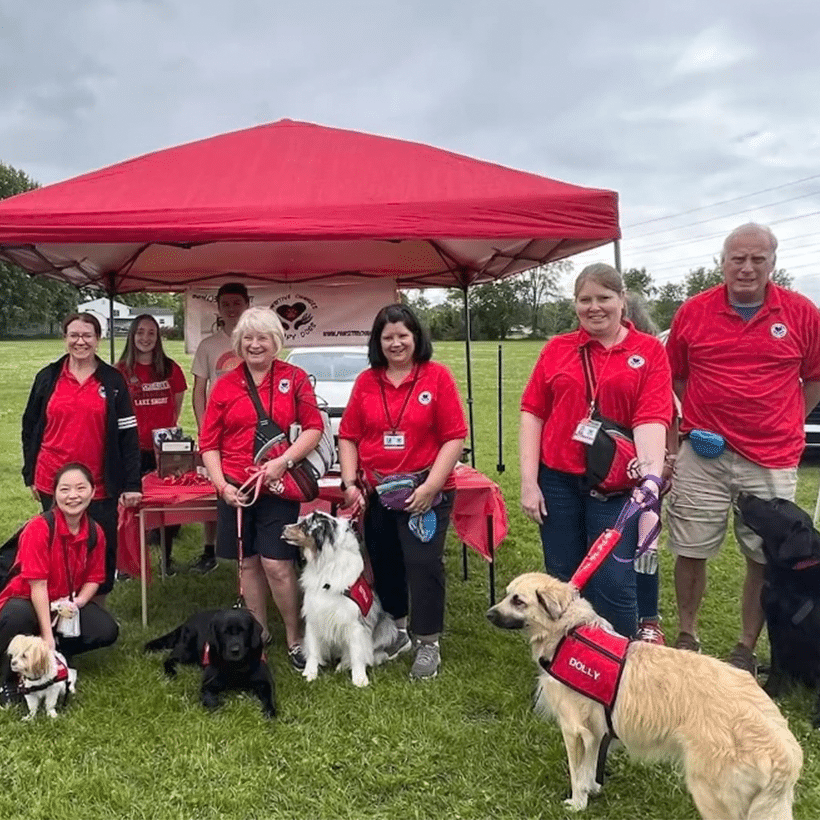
[{"x": 124, "y": 315}]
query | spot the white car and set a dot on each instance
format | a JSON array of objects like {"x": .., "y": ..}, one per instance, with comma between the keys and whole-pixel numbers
[{"x": 334, "y": 370}]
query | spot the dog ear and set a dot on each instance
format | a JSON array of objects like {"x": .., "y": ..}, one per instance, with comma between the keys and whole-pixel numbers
[
  {"x": 215, "y": 634},
  {"x": 324, "y": 530},
  {"x": 555, "y": 601},
  {"x": 39, "y": 654}
]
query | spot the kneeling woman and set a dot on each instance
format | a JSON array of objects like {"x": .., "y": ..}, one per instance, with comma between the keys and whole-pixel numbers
[{"x": 64, "y": 563}]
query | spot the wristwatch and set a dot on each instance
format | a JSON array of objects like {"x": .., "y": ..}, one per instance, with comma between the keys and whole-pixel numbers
[
  {"x": 289, "y": 464},
  {"x": 343, "y": 485}
]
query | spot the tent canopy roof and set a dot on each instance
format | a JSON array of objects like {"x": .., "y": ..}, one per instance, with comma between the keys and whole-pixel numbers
[{"x": 291, "y": 202}]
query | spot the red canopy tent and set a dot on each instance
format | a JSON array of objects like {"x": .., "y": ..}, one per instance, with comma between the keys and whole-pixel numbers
[{"x": 291, "y": 202}]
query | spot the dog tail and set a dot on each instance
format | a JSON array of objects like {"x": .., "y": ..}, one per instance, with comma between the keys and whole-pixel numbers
[{"x": 167, "y": 641}]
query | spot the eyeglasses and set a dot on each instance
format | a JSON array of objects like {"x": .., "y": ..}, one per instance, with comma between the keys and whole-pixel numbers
[{"x": 75, "y": 337}]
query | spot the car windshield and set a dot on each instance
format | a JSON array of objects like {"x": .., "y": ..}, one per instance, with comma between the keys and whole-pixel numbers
[{"x": 331, "y": 367}]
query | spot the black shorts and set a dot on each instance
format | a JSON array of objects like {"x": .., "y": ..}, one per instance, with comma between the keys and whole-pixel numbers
[{"x": 262, "y": 525}]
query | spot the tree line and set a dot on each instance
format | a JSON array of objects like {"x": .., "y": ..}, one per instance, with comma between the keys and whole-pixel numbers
[{"x": 532, "y": 303}]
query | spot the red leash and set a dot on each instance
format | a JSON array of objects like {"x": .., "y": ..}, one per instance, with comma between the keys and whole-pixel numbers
[
  {"x": 246, "y": 496},
  {"x": 609, "y": 538}
]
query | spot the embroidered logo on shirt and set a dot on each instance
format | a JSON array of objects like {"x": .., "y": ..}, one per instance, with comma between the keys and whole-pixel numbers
[
  {"x": 779, "y": 330},
  {"x": 425, "y": 397},
  {"x": 636, "y": 361},
  {"x": 284, "y": 385},
  {"x": 101, "y": 391}
]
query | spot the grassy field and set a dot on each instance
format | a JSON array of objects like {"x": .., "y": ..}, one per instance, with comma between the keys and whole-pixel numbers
[{"x": 466, "y": 745}]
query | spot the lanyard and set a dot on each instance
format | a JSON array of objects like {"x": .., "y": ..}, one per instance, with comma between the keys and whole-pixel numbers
[
  {"x": 589, "y": 374},
  {"x": 68, "y": 577},
  {"x": 394, "y": 427}
]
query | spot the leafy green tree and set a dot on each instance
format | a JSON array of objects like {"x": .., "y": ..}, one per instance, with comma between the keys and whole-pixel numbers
[
  {"x": 638, "y": 280},
  {"x": 670, "y": 297},
  {"x": 559, "y": 316},
  {"x": 494, "y": 309},
  {"x": 26, "y": 300},
  {"x": 537, "y": 285}
]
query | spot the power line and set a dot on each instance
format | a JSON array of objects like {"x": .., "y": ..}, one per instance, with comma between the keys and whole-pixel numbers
[
  {"x": 725, "y": 216},
  {"x": 722, "y": 202}
]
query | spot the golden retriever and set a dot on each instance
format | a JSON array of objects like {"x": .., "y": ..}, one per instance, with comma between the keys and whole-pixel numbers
[{"x": 739, "y": 758}]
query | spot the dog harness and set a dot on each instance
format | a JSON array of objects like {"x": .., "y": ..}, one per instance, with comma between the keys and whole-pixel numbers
[
  {"x": 590, "y": 660},
  {"x": 362, "y": 594},
  {"x": 61, "y": 676}
]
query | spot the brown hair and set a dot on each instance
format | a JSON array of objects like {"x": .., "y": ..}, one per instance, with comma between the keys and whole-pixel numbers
[
  {"x": 160, "y": 363},
  {"x": 88, "y": 318},
  {"x": 601, "y": 274}
]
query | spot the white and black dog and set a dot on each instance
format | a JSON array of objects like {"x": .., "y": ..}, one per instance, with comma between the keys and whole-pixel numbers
[
  {"x": 343, "y": 615},
  {"x": 45, "y": 676}
]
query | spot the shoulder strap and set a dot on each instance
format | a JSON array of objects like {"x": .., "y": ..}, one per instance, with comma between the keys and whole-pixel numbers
[
  {"x": 48, "y": 515},
  {"x": 261, "y": 413}
]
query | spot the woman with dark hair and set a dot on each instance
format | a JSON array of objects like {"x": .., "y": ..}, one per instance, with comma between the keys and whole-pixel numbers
[
  {"x": 633, "y": 387},
  {"x": 59, "y": 567},
  {"x": 404, "y": 418},
  {"x": 79, "y": 410},
  {"x": 157, "y": 386}
]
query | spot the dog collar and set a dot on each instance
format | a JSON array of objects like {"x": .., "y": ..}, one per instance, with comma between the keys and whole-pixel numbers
[{"x": 59, "y": 677}]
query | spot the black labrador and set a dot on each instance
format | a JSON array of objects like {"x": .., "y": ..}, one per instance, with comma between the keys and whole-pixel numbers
[
  {"x": 227, "y": 644},
  {"x": 791, "y": 590}
]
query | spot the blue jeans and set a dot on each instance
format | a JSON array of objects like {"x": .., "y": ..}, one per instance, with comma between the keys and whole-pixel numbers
[{"x": 574, "y": 520}]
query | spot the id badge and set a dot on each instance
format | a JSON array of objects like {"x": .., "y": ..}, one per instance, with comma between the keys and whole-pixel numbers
[
  {"x": 394, "y": 441},
  {"x": 586, "y": 431}
]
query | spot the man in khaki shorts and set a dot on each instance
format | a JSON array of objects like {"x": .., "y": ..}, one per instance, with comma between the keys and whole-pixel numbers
[{"x": 745, "y": 359}]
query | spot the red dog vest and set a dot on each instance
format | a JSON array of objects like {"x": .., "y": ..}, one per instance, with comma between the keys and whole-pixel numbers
[
  {"x": 362, "y": 594},
  {"x": 590, "y": 660}
]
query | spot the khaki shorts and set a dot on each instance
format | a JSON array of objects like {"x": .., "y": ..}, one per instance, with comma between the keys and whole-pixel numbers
[{"x": 703, "y": 494}]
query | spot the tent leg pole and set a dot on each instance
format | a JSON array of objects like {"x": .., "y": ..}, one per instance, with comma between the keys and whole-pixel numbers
[
  {"x": 469, "y": 375},
  {"x": 617, "y": 244},
  {"x": 111, "y": 314}
]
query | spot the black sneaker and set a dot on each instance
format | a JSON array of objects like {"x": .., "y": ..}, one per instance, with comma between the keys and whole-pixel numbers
[
  {"x": 170, "y": 569},
  {"x": 204, "y": 564},
  {"x": 9, "y": 694},
  {"x": 123, "y": 576},
  {"x": 297, "y": 657}
]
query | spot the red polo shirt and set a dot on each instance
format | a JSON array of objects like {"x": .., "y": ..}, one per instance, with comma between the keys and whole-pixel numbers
[
  {"x": 634, "y": 387},
  {"x": 743, "y": 379},
  {"x": 74, "y": 431},
  {"x": 230, "y": 416},
  {"x": 65, "y": 559},
  {"x": 432, "y": 415},
  {"x": 154, "y": 399}
]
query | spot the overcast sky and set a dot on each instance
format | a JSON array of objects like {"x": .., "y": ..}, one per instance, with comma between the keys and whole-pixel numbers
[{"x": 701, "y": 115}]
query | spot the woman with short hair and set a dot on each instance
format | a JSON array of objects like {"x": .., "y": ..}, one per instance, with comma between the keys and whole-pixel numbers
[
  {"x": 79, "y": 410},
  {"x": 226, "y": 441},
  {"x": 404, "y": 417}
]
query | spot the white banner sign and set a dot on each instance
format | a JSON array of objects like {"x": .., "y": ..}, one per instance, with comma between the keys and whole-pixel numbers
[{"x": 311, "y": 314}]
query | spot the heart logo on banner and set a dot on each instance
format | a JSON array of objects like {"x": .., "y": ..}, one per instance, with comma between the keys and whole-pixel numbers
[{"x": 289, "y": 314}]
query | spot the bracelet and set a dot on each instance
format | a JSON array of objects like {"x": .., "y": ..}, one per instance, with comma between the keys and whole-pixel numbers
[
  {"x": 343, "y": 485},
  {"x": 654, "y": 478}
]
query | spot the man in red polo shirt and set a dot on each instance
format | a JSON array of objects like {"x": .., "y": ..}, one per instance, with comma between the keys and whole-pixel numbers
[{"x": 745, "y": 359}]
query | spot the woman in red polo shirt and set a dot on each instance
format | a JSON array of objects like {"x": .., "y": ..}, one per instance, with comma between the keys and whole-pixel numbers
[
  {"x": 633, "y": 388},
  {"x": 405, "y": 416},
  {"x": 157, "y": 386},
  {"x": 59, "y": 563},
  {"x": 226, "y": 440},
  {"x": 79, "y": 410}
]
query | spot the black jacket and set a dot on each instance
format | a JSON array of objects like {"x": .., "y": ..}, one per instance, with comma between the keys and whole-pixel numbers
[{"x": 121, "y": 459}]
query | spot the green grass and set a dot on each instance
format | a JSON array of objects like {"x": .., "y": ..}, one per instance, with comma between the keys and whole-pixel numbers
[{"x": 466, "y": 745}]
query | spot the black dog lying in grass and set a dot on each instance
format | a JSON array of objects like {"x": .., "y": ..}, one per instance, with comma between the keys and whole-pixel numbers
[
  {"x": 791, "y": 591},
  {"x": 227, "y": 644}
]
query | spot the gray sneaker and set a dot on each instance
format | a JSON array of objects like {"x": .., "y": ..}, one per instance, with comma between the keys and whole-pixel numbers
[
  {"x": 427, "y": 662},
  {"x": 401, "y": 644}
]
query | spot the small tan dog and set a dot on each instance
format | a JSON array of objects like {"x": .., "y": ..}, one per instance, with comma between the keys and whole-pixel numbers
[
  {"x": 739, "y": 758},
  {"x": 45, "y": 676}
]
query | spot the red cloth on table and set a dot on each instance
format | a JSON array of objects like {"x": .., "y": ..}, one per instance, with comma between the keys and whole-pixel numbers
[{"x": 476, "y": 498}]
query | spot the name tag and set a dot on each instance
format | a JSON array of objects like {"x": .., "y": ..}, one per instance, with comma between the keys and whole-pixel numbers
[
  {"x": 586, "y": 431},
  {"x": 394, "y": 441}
]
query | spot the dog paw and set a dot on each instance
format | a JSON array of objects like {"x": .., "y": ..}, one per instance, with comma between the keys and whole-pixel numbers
[
  {"x": 576, "y": 803},
  {"x": 360, "y": 680},
  {"x": 29, "y": 716},
  {"x": 52, "y": 713},
  {"x": 310, "y": 674}
]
